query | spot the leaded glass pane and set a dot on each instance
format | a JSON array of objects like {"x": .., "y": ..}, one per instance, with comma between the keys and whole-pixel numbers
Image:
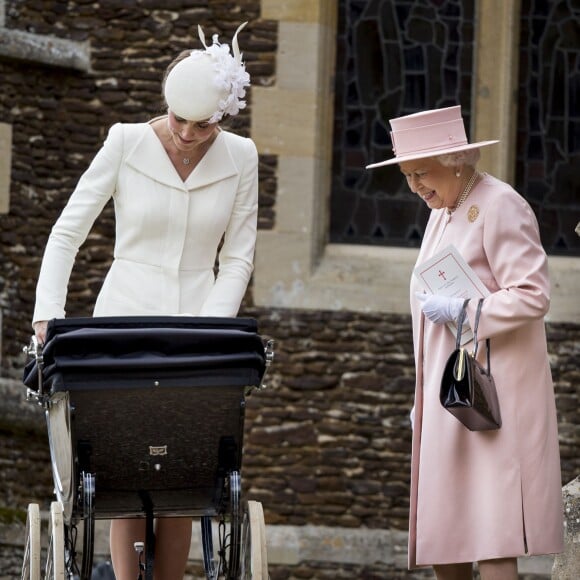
[
  {"x": 394, "y": 57},
  {"x": 548, "y": 142}
]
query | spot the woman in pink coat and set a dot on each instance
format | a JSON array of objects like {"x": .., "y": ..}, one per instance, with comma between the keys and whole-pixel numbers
[
  {"x": 184, "y": 190},
  {"x": 479, "y": 496}
]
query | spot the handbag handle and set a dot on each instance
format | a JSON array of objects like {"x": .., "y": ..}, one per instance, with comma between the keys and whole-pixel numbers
[
  {"x": 475, "y": 342},
  {"x": 460, "y": 320}
]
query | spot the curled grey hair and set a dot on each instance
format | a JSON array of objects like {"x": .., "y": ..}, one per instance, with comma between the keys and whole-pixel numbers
[{"x": 467, "y": 157}]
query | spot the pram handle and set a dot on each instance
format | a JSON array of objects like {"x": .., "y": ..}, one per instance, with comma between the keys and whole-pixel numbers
[{"x": 34, "y": 350}]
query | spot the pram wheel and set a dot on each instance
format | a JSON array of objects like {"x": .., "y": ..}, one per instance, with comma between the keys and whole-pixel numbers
[
  {"x": 55, "y": 555},
  {"x": 254, "y": 557},
  {"x": 88, "y": 499},
  {"x": 246, "y": 543},
  {"x": 31, "y": 564}
]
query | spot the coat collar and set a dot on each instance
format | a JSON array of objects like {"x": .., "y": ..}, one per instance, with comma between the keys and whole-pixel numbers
[{"x": 149, "y": 157}]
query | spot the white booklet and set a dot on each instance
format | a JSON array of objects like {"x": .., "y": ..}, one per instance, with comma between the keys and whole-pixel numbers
[{"x": 448, "y": 274}]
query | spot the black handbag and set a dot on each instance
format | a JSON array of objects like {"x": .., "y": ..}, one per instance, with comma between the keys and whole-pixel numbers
[{"x": 467, "y": 389}]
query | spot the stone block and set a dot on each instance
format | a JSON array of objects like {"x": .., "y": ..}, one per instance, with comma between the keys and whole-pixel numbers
[
  {"x": 286, "y": 122},
  {"x": 49, "y": 50},
  {"x": 567, "y": 564},
  {"x": 293, "y": 10}
]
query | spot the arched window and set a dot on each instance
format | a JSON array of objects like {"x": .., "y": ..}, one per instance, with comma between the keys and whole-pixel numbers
[
  {"x": 394, "y": 57},
  {"x": 548, "y": 138}
]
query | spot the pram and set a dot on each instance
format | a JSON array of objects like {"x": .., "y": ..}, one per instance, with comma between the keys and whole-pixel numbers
[{"x": 145, "y": 418}]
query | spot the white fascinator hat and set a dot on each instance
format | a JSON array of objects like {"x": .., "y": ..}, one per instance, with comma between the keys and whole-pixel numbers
[{"x": 209, "y": 83}]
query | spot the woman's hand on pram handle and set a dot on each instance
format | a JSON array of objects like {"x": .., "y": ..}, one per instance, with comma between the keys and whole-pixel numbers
[{"x": 40, "y": 330}]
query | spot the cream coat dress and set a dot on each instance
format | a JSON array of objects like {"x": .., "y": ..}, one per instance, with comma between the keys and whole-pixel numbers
[
  {"x": 495, "y": 494},
  {"x": 167, "y": 230}
]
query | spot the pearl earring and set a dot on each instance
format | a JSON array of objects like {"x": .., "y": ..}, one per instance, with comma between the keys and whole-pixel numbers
[{"x": 457, "y": 173}]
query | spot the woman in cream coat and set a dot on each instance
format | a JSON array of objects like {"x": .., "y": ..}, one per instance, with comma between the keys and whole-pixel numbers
[
  {"x": 487, "y": 496},
  {"x": 180, "y": 185}
]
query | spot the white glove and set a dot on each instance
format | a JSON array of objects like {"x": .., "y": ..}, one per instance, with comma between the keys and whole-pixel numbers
[{"x": 440, "y": 309}]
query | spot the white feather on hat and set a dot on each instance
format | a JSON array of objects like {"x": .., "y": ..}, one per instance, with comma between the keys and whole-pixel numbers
[{"x": 209, "y": 83}]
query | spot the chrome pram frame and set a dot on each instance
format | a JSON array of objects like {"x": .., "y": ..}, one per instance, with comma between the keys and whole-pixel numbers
[{"x": 193, "y": 372}]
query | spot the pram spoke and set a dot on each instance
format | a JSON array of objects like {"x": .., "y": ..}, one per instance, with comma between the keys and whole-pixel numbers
[{"x": 207, "y": 547}]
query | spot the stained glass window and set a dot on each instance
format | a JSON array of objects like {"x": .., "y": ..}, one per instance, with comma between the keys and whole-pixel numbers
[
  {"x": 394, "y": 57},
  {"x": 548, "y": 142}
]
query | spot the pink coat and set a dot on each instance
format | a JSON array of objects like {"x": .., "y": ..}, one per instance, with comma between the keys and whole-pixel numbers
[{"x": 483, "y": 495}]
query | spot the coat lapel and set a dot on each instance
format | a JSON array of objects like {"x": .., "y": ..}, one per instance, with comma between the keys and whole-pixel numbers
[
  {"x": 216, "y": 164},
  {"x": 149, "y": 158}
]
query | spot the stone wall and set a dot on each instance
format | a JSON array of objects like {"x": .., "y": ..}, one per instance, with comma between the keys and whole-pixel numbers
[{"x": 329, "y": 441}]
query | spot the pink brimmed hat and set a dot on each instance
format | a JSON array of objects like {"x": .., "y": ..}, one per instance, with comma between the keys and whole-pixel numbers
[{"x": 427, "y": 134}]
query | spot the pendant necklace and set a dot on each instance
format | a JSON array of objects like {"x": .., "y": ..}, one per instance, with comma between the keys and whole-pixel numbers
[
  {"x": 184, "y": 160},
  {"x": 465, "y": 193}
]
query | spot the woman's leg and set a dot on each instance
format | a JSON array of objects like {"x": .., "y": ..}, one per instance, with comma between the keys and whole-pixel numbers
[
  {"x": 124, "y": 533},
  {"x": 172, "y": 541},
  {"x": 463, "y": 571},
  {"x": 500, "y": 569}
]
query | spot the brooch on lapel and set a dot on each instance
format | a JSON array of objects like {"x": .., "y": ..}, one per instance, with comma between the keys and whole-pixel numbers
[{"x": 473, "y": 213}]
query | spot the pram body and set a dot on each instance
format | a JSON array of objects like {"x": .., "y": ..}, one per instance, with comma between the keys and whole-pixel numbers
[{"x": 145, "y": 418}]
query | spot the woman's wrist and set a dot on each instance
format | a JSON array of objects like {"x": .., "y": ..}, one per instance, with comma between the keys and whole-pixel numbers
[{"x": 40, "y": 327}]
